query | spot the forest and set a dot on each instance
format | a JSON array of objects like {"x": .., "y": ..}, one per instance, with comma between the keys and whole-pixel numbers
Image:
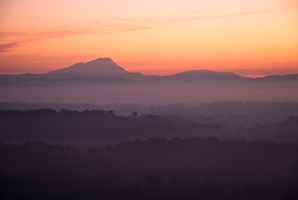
[
  {"x": 157, "y": 168},
  {"x": 97, "y": 154},
  {"x": 100, "y": 127},
  {"x": 91, "y": 127}
]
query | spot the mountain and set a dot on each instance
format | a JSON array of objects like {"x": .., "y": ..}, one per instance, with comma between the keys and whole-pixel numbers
[
  {"x": 291, "y": 121},
  {"x": 106, "y": 70},
  {"x": 282, "y": 131},
  {"x": 100, "y": 68},
  {"x": 205, "y": 75},
  {"x": 103, "y": 81},
  {"x": 288, "y": 77}
]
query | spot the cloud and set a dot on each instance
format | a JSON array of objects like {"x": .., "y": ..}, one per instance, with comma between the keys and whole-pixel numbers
[
  {"x": 128, "y": 29},
  {"x": 56, "y": 33},
  {"x": 9, "y": 33},
  {"x": 7, "y": 47},
  {"x": 60, "y": 32},
  {"x": 245, "y": 13},
  {"x": 107, "y": 25},
  {"x": 120, "y": 24},
  {"x": 30, "y": 36},
  {"x": 195, "y": 15}
]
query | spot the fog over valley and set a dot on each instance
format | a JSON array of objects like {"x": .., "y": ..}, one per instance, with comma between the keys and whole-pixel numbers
[
  {"x": 149, "y": 100},
  {"x": 96, "y": 131},
  {"x": 103, "y": 81}
]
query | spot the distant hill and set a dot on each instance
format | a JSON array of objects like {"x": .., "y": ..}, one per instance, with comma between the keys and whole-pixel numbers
[
  {"x": 291, "y": 121},
  {"x": 99, "y": 68},
  {"x": 103, "y": 81},
  {"x": 283, "y": 131},
  {"x": 89, "y": 126},
  {"x": 288, "y": 77},
  {"x": 100, "y": 65},
  {"x": 99, "y": 71},
  {"x": 205, "y": 75},
  {"x": 106, "y": 70}
]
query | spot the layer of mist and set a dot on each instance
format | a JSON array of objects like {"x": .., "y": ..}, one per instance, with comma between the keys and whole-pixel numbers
[
  {"x": 152, "y": 94},
  {"x": 96, "y": 131}
]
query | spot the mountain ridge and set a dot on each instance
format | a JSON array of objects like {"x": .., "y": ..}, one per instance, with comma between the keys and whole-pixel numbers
[
  {"x": 100, "y": 65},
  {"x": 204, "y": 75},
  {"x": 106, "y": 68}
]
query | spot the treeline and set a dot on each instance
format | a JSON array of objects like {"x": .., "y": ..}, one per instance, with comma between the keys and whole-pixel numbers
[
  {"x": 230, "y": 115},
  {"x": 192, "y": 168},
  {"x": 93, "y": 126},
  {"x": 262, "y": 110},
  {"x": 285, "y": 131}
]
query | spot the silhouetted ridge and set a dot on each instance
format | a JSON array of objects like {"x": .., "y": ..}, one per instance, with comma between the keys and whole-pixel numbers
[
  {"x": 92, "y": 125},
  {"x": 291, "y": 121},
  {"x": 157, "y": 168},
  {"x": 205, "y": 75},
  {"x": 103, "y": 71},
  {"x": 100, "y": 65},
  {"x": 287, "y": 77}
]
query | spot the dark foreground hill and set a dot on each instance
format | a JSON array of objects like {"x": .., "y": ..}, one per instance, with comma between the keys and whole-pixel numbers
[
  {"x": 93, "y": 126},
  {"x": 105, "y": 127},
  {"x": 286, "y": 130},
  {"x": 155, "y": 169}
]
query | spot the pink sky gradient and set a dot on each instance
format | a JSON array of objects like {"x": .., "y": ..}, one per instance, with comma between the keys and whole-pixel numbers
[{"x": 253, "y": 38}]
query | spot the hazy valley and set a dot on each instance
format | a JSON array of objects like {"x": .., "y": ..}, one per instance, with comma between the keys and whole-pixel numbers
[
  {"x": 96, "y": 131},
  {"x": 102, "y": 81}
]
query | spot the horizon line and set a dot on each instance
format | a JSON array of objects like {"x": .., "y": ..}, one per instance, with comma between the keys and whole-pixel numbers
[{"x": 150, "y": 74}]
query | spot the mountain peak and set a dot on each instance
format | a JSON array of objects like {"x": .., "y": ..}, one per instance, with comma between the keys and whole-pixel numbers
[
  {"x": 98, "y": 66},
  {"x": 104, "y": 59},
  {"x": 100, "y": 59}
]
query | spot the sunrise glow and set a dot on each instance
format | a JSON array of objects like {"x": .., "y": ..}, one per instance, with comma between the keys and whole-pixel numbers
[{"x": 253, "y": 38}]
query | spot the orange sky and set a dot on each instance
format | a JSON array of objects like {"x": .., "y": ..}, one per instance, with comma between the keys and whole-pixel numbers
[{"x": 253, "y": 38}]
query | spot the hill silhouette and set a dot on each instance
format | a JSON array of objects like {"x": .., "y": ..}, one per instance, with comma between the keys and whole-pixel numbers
[
  {"x": 106, "y": 68},
  {"x": 100, "y": 65},
  {"x": 91, "y": 126},
  {"x": 156, "y": 168},
  {"x": 287, "y": 77},
  {"x": 205, "y": 75},
  {"x": 99, "y": 68},
  {"x": 103, "y": 81}
]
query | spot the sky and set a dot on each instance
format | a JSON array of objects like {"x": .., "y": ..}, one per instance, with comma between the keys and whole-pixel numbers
[{"x": 252, "y": 38}]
